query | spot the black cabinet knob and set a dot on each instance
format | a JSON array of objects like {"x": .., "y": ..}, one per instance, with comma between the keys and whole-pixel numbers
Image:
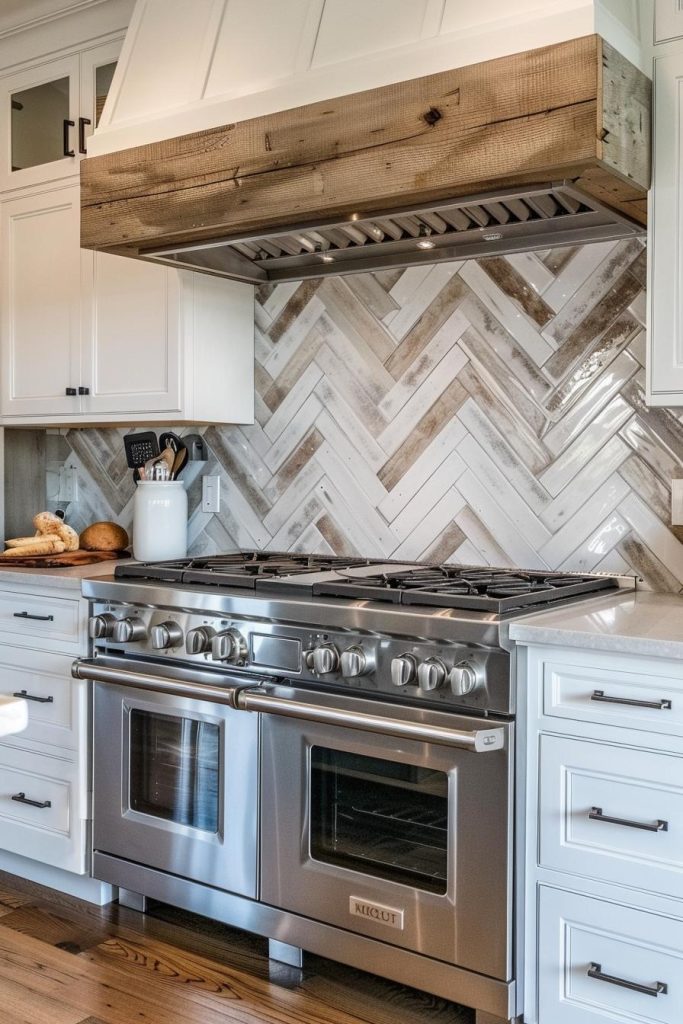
[
  {"x": 71, "y": 391},
  {"x": 84, "y": 391}
]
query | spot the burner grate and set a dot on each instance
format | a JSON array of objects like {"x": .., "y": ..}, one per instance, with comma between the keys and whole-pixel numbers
[{"x": 445, "y": 586}]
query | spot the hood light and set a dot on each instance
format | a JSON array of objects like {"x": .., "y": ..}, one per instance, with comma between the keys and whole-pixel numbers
[
  {"x": 493, "y": 236},
  {"x": 326, "y": 258},
  {"x": 425, "y": 241}
]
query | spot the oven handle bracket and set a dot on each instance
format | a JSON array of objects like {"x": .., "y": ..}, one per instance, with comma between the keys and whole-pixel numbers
[
  {"x": 480, "y": 741},
  {"x": 90, "y": 670}
]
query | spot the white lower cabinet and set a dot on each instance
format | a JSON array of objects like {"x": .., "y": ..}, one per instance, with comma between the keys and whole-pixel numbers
[
  {"x": 599, "y": 961},
  {"x": 612, "y": 812},
  {"x": 44, "y": 770},
  {"x": 42, "y": 810},
  {"x": 604, "y": 837}
]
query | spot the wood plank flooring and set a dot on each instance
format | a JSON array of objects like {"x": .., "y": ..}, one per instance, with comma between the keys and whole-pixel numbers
[{"x": 63, "y": 961}]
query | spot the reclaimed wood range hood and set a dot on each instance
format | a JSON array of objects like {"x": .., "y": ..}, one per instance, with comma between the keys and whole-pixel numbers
[{"x": 543, "y": 148}]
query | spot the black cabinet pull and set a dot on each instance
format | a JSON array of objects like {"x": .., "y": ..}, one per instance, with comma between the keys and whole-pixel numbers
[
  {"x": 658, "y": 826},
  {"x": 82, "y": 121},
  {"x": 30, "y": 696},
  {"x": 658, "y": 705},
  {"x": 70, "y": 392},
  {"x": 37, "y": 618},
  {"x": 21, "y": 798},
  {"x": 658, "y": 989},
  {"x": 84, "y": 391},
  {"x": 66, "y": 125}
]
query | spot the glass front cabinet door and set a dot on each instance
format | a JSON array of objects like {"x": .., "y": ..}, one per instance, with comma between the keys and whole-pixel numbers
[
  {"x": 48, "y": 112},
  {"x": 39, "y": 112}
]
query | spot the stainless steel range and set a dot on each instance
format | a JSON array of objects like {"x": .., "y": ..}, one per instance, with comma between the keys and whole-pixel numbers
[{"x": 320, "y": 750}]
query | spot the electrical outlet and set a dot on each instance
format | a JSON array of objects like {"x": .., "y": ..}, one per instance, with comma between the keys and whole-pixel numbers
[
  {"x": 211, "y": 494},
  {"x": 68, "y": 484},
  {"x": 677, "y": 502}
]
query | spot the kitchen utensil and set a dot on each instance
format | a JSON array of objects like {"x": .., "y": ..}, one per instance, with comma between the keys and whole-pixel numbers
[
  {"x": 179, "y": 462},
  {"x": 140, "y": 448},
  {"x": 196, "y": 448},
  {"x": 170, "y": 440},
  {"x": 168, "y": 458}
]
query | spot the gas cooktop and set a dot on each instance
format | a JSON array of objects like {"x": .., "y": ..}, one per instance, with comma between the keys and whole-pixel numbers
[{"x": 442, "y": 586}]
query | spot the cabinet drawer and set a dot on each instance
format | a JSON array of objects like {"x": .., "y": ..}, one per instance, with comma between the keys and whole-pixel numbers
[
  {"x": 579, "y": 934},
  {"x": 596, "y": 692},
  {"x": 583, "y": 783},
  {"x": 56, "y": 701},
  {"x": 53, "y": 834},
  {"x": 38, "y": 621}
]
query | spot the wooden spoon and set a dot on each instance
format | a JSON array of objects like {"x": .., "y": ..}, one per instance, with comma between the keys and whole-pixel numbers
[{"x": 179, "y": 463}]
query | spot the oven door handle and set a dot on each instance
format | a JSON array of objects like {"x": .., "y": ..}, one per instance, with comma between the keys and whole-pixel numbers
[
  {"x": 478, "y": 740},
  {"x": 102, "y": 673}
]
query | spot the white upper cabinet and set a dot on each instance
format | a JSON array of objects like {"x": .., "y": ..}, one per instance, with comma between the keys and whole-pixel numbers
[
  {"x": 39, "y": 109},
  {"x": 668, "y": 20},
  {"x": 92, "y": 338},
  {"x": 665, "y": 236},
  {"x": 40, "y": 303},
  {"x": 48, "y": 112}
]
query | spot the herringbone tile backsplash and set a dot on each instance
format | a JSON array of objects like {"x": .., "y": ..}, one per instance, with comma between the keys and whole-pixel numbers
[{"x": 490, "y": 411}]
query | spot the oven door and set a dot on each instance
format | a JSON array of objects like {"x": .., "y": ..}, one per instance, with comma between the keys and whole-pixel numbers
[
  {"x": 407, "y": 840},
  {"x": 175, "y": 784}
]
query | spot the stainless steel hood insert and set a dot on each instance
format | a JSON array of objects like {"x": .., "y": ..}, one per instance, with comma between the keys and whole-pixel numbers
[{"x": 488, "y": 224}]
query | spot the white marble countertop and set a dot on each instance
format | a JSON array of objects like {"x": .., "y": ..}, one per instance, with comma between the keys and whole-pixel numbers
[
  {"x": 625, "y": 621},
  {"x": 66, "y": 579}
]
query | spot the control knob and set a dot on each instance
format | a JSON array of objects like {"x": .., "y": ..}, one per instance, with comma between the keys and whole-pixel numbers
[
  {"x": 129, "y": 630},
  {"x": 166, "y": 634},
  {"x": 100, "y": 626},
  {"x": 229, "y": 645},
  {"x": 462, "y": 679},
  {"x": 198, "y": 641},
  {"x": 354, "y": 663},
  {"x": 323, "y": 660},
  {"x": 431, "y": 675},
  {"x": 403, "y": 670}
]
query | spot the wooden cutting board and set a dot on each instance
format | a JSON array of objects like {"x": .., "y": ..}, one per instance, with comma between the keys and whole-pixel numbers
[{"x": 62, "y": 561}]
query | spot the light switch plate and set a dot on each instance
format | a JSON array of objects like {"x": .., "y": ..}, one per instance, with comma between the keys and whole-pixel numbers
[
  {"x": 677, "y": 502},
  {"x": 211, "y": 494}
]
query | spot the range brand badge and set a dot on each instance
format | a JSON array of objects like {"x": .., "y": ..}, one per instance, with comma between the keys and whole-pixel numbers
[{"x": 377, "y": 912}]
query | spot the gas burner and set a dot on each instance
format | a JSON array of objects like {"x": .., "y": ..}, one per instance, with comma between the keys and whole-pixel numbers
[
  {"x": 450, "y": 586},
  {"x": 237, "y": 569},
  {"x": 479, "y": 588}
]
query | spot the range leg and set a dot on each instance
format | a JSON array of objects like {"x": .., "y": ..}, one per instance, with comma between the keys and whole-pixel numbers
[
  {"x": 483, "y": 1017},
  {"x": 133, "y": 900},
  {"x": 285, "y": 954}
]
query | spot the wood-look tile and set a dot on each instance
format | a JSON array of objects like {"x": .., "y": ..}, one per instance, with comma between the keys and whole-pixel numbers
[
  {"x": 421, "y": 436},
  {"x": 294, "y": 307},
  {"x": 430, "y": 320},
  {"x": 583, "y": 337},
  {"x": 531, "y": 367},
  {"x": 515, "y": 287}
]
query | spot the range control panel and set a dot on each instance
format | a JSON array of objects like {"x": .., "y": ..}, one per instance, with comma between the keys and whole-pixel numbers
[{"x": 440, "y": 673}]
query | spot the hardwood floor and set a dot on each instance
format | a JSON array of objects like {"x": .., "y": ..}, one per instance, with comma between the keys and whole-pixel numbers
[{"x": 63, "y": 961}]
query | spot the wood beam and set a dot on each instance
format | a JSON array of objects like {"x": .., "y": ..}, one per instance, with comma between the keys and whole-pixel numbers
[{"x": 574, "y": 110}]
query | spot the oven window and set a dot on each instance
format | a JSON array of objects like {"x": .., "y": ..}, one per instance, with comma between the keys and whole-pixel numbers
[
  {"x": 175, "y": 769},
  {"x": 381, "y": 818}
]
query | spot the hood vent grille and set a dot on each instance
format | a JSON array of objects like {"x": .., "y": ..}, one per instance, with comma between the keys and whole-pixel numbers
[{"x": 489, "y": 224}]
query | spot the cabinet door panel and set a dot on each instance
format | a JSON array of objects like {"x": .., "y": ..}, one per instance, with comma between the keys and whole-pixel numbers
[
  {"x": 668, "y": 20},
  {"x": 34, "y": 106},
  {"x": 665, "y": 343},
  {"x": 610, "y": 812},
  {"x": 131, "y": 336},
  {"x": 40, "y": 303},
  {"x": 578, "y": 935}
]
